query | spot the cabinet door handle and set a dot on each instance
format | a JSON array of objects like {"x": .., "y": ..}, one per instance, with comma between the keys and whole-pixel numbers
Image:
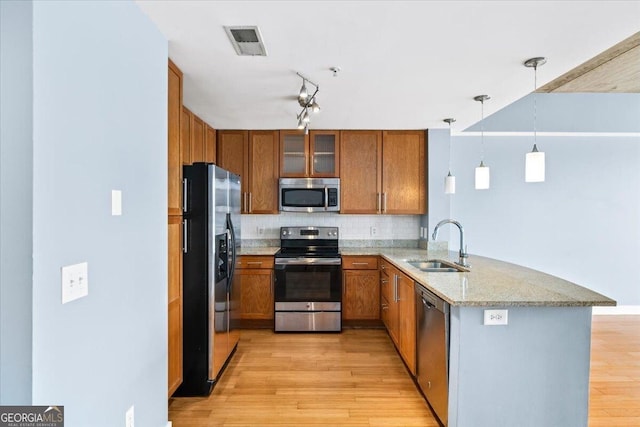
[
  {"x": 185, "y": 236},
  {"x": 184, "y": 194},
  {"x": 384, "y": 202},
  {"x": 250, "y": 207},
  {"x": 383, "y": 281},
  {"x": 378, "y": 202},
  {"x": 385, "y": 307},
  {"x": 395, "y": 288},
  {"x": 254, "y": 263},
  {"x": 360, "y": 263}
]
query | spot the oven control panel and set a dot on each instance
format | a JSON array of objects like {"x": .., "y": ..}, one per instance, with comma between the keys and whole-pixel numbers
[{"x": 309, "y": 233}]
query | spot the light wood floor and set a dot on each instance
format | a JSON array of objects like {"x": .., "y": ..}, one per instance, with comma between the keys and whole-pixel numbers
[
  {"x": 614, "y": 393},
  {"x": 356, "y": 378}
]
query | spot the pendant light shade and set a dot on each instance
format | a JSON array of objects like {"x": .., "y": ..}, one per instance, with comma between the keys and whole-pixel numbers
[
  {"x": 534, "y": 169},
  {"x": 449, "y": 184},
  {"x": 483, "y": 177},
  {"x": 449, "y": 180},
  {"x": 534, "y": 166}
]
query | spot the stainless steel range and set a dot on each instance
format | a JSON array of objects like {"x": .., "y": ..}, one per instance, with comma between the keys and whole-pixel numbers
[{"x": 308, "y": 280}]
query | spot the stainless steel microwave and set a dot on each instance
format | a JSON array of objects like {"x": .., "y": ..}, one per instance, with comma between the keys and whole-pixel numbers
[{"x": 309, "y": 194}]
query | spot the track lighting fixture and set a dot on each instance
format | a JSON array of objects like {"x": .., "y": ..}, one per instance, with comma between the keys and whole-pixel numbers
[{"x": 307, "y": 102}]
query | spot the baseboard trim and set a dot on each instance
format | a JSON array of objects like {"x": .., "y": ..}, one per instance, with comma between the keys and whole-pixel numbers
[{"x": 617, "y": 310}]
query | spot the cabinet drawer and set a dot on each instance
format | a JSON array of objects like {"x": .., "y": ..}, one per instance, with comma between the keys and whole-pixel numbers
[
  {"x": 359, "y": 262},
  {"x": 255, "y": 261}
]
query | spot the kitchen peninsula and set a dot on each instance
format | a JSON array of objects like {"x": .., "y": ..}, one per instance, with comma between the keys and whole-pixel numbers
[{"x": 533, "y": 371}]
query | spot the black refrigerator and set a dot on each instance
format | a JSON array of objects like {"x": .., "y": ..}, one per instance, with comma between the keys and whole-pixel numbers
[{"x": 210, "y": 301}]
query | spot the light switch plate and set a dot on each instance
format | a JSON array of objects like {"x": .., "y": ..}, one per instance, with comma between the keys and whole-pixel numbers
[
  {"x": 116, "y": 202},
  {"x": 496, "y": 317},
  {"x": 75, "y": 282}
]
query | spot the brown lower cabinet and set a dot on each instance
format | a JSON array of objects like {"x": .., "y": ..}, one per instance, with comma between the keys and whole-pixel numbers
[
  {"x": 175, "y": 303},
  {"x": 398, "y": 311},
  {"x": 254, "y": 278},
  {"x": 360, "y": 288}
]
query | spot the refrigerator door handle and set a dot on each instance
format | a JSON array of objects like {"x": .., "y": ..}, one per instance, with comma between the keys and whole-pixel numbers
[
  {"x": 232, "y": 251},
  {"x": 185, "y": 236}
]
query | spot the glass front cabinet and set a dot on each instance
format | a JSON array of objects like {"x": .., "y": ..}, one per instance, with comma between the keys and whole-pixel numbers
[{"x": 313, "y": 155}]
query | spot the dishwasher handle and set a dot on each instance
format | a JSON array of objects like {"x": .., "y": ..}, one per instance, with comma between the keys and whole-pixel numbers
[
  {"x": 431, "y": 300},
  {"x": 428, "y": 304}
]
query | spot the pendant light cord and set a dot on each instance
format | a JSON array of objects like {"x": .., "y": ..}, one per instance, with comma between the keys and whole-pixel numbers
[
  {"x": 535, "y": 104},
  {"x": 482, "y": 131},
  {"x": 449, "y": 148}
]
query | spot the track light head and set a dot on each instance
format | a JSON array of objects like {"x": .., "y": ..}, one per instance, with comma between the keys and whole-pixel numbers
[
  {"x": 315, "y": 107},
  {"x": 303, "y": 95}
]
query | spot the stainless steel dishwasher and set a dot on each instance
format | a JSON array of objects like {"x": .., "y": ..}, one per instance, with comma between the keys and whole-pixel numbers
[{"x": 433, "y": 350}]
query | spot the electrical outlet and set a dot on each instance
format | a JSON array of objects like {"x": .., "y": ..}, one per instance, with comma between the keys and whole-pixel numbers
[
  {"x": 496, "y": 317},
  {"x": 260, "y": 230},
  {"x": 374, "y": 231},
  {"x": 129, "y": 417},
  {"x": 75, "y": 282}
]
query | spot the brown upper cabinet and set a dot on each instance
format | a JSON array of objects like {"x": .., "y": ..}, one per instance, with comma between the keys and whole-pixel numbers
[
  {"x": 174, "y": 155},
  {"x": 185, "y": 135},
  {"x": 254, "y": 156},
  {"x": 209, "y": 144},
  {"x": 403, "y": 172},
  {"x": 315, "y": 155},
  {"x": 382, "y": 172},
  {"x": 197, "y": 139}
]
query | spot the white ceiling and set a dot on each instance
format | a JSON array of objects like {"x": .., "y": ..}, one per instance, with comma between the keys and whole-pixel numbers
[{"x": 405, "y": 64}]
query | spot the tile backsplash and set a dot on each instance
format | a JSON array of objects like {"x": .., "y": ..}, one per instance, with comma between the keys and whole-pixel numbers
[{"x": 352, "y": 227}]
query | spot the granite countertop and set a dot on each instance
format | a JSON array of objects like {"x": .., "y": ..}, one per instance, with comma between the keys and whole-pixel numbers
[{"x": 488, "y": 283}]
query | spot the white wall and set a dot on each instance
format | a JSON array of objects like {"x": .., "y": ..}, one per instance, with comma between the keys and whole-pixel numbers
[
  {"x": 582, "y": 224},
  {"x": 100, "y": 123},
  {"x": 352, "y": 227},
  {"x": 16, "y": 213}
]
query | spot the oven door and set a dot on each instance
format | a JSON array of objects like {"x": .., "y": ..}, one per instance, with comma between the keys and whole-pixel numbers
[{"x": 308, "y": 280}]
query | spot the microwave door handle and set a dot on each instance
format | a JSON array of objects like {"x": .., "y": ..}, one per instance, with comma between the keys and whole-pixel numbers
[{"x": 326, "y": 198}]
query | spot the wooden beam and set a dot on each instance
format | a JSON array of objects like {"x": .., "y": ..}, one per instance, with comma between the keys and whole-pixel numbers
[{"x": 617, "y": 69}]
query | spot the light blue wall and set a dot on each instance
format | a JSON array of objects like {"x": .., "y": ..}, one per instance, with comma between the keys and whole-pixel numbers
[
  {"x": 581, "y": 224},
  {"x": 535, "y": 372},
  {"x": 439, "y": 203},
  {"x": 100, "y": 123},
  {"x": 16, "y": 168}
]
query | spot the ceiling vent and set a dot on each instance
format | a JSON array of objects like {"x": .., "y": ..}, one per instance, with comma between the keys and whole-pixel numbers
[{"x": 246, "y": 40}]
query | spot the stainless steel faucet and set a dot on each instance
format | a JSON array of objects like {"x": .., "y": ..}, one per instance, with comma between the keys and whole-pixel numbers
[{"x": 463, "y": 249}]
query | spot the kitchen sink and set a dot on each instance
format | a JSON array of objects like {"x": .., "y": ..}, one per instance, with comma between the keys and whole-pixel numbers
[{"x": 435, "y": 266}]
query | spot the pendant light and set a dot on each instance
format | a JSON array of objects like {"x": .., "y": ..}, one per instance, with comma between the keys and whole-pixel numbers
[
  {"x": 449, "y": 180},
  {"x": 483, "y": 178},
  {"x": 534, "y": 161}
]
